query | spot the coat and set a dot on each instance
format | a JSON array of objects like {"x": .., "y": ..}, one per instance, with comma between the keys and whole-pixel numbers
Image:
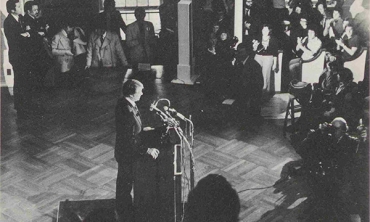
[
  {"x": 141, "y": 51},
  {"x": 108, "y": 54},
  {"x": 60, "y": 45}
]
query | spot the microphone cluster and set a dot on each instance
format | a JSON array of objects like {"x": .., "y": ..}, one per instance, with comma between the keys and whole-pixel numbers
[{"x": 166, "y": 116}]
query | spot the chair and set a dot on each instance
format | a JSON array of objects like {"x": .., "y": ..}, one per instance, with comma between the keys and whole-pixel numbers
[
  {"x": 312, "y": 69},
  {"x": 299, "y": 96},
  {"x": 357, "y": 65},
  {"x": 292, "y": 108}
]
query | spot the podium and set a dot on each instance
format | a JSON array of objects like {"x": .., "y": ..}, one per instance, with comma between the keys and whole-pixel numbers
[{"x": 157, "y": 185}]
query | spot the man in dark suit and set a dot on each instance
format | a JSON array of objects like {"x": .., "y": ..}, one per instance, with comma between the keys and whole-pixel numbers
[
  {"x": 16, "y": 37},
  {"x": 40, "y": 62},
  {"x": 249, "y": 74},
  {"x": 128, "y": 146}
]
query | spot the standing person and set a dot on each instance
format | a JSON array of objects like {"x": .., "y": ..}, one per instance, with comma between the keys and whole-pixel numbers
[
  {"x": 16, "y": 37},
  {"x": 249, "y": 82},
  {"x": 128, "y": 146},
  {"x": 140, "y": 39},
  {"x": 104, "y": 49},
  {"x": 62, "y": 50},
  {"x": 112, "y": 18},
  {"x": 266, "y": 48},
  {"x": 40, "y": 61}
]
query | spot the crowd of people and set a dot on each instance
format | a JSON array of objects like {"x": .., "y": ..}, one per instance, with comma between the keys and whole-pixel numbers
[
  {"x": 297, "y": 28},
  {"x": 62, "y": 58}
]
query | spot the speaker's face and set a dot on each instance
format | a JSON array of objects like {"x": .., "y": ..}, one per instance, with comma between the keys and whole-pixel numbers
[{"x": 138, "y": 93}]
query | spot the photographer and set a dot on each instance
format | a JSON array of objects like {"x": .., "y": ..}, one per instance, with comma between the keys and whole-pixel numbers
[{"x": 330, "y": 157}]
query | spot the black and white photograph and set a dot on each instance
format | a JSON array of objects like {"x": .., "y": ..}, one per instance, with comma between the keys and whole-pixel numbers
[{"x": 184, "y": 111}]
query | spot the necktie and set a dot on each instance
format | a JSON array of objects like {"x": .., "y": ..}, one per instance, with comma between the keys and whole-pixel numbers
[{"x": 137, "y": 113}]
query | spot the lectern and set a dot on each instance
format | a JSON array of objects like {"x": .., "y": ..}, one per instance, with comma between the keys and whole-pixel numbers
[{"x": 157, "y": 186}]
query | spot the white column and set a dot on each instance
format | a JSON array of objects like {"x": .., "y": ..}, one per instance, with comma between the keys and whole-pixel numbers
[
  {"x": 185, "y": 68},
  {"x": 238, "y": 20}
]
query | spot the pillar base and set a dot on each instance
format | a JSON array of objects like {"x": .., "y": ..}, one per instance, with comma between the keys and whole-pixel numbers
[{"x": 185, "y": 75}]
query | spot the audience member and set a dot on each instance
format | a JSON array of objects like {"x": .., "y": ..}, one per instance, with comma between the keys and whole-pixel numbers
[
  {"x": 140, "y": 39},
  {"x": 248, "y": 81},
  {"x": 321, "y": 17},
  {"x": 346, "y": 100},
  {"x": 266, "y": 48},
  {"x": 62, "y": 50},
  {"x": 16, "y": 37},
  {"x": 112, "y": 18},
  {"x": 251, "y": 21},
  {"x": 213, "y": 199},
  {"x": 309, "y": 45},
  {"x": 79, "y": 48},
  {"x": 287, "y": 44},
  {"x": 301, "y": 31},
  {"x": 348, "y": 44},
  {"x": 223, "y": 21},
  {"x": 223, "y": 57},
  {"x": 104, "y": 49}
]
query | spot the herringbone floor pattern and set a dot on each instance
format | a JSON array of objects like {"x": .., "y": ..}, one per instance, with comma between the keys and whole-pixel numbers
[{"x": 67, "y": 152}]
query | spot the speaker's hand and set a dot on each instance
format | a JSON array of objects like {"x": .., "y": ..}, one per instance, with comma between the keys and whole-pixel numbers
[{"x": 153, "y": 152}]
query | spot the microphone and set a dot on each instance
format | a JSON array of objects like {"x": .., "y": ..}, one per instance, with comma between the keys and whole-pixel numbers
[
  {"x": 152, "y": 106},
  {"x": 172, "y": 110}
]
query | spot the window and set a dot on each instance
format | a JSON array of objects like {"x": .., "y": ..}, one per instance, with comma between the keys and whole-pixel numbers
[{"x": 127, "y": 8}]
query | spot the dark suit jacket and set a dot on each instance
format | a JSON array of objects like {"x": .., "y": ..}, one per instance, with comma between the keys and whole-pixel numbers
[
  {"x": 114, "y": 22},
  {"x": 249, "y": 80},
  {"x": 128, "y": 128},
  {"x": 35, "y": 41},
  {"x": 16, "y": 42}
]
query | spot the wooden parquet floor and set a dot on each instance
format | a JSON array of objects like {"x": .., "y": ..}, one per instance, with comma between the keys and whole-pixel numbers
[{"x": 67, "y": 152}]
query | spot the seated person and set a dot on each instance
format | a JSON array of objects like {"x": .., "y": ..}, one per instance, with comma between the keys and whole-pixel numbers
[
  {"x": 346, "y": 100},
  {"x": 328, "y": 79},
  {"x": 310, "y": 45},
  {"x": 213, "y": 199},
  {"x": 334, "y": 27},
  {"x": 104, "y": 48},
  {"x": 349, "y": 43}
]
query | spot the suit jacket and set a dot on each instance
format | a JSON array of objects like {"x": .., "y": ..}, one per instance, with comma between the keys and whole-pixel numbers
[
  {"x": 141, "y": 50},
  {"x": 128, "y": 129},
  {"x": 16, "y": 42},
  {"x": 107, "y": 53},
  {"x": 35, "y": 46},
  {"x": 60, "y": 44}
]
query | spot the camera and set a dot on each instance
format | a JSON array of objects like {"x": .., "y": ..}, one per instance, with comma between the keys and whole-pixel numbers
[{"x": 327, "y": 129}]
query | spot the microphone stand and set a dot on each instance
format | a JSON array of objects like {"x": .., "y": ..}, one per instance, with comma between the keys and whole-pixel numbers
[{"x": 184, "y": 142}]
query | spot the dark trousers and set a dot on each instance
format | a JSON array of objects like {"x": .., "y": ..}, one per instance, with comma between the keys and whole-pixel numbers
[
  {"x": 21, "y": 87},
  {"x": 125, "y": 179}
]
